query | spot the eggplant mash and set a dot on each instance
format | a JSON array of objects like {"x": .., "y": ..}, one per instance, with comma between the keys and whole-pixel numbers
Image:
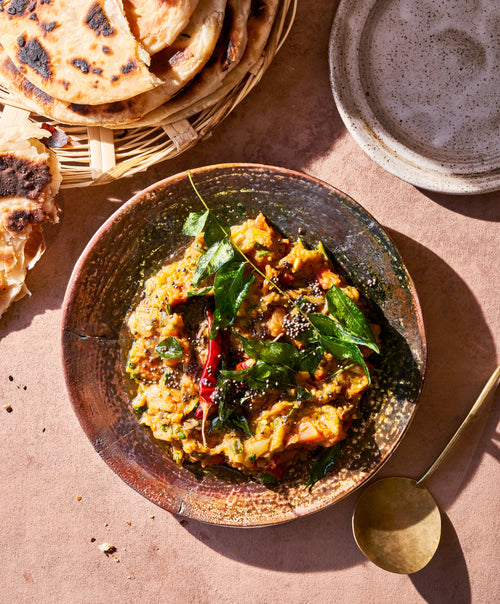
[{"x": 248, "y": 350}]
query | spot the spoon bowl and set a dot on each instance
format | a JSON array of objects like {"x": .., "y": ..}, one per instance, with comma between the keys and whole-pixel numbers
[{"x": 397, "y": 525}]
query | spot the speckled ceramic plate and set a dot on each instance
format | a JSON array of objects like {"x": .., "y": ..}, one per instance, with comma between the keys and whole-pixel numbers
[
  {"x": 135, "y": 242},
  {"x": 418, "y": 86}
]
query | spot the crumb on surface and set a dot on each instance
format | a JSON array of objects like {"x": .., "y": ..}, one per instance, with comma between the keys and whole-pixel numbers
[
  {"x": 107, "y": 548},
  {"x": 8, "y": 408}
]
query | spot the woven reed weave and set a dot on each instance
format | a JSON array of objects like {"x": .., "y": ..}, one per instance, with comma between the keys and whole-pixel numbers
[{"x": 100, "y": 155}]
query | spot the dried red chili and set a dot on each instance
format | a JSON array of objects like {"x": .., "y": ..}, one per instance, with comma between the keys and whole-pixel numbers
[{"x": 211, "y": 368}]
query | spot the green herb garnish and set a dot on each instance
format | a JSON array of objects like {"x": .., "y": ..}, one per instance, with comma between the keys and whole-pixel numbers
[
  {"x": 262, "y": 376},
  {"x": 323, "y": 464},
  {"x": 231, "y": 286},
  {"x": 279, "y": 353},
  {"x": 219, "y": 254},
  {"x": 169, "y": 348},
  {"x": 266, "y": 478},
  {"x": 352, "y": 323},
  {"x": 339, "y": 333}
]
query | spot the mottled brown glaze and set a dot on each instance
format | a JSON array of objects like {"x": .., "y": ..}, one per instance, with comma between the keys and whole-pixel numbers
[{"x": 134, "y": 243}]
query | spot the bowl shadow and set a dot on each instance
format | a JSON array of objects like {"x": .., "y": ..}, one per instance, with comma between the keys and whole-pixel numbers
[{"x": 483, "y": 206}]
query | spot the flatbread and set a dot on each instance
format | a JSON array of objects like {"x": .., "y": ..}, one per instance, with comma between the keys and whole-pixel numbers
[
  {"x": 157, "y": 23},
  {"x": 175, "y": 66},
  {"x": 29, "y": 181},
  {"x": 80, "y": 51},
  {"x": 213, "y": 84}
]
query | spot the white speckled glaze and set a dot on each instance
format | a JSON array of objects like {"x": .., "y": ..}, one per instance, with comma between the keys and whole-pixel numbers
[{"x": 418, "y": 86}]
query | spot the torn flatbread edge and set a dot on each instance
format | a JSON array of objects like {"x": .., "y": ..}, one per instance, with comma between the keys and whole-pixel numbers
[{"x": 25, "y": 245}]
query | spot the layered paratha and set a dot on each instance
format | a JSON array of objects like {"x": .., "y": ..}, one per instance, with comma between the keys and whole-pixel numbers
[
  {"x": 157, "y": 23},
  {"x": 175, "y": 66},
  {"x": 214, "y": 83},
  {"x": 79, "y": 51},
  {"x": 29, "y": 181}
]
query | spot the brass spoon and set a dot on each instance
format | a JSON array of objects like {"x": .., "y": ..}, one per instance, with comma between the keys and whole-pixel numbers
[{"x": 396, "y": 522}]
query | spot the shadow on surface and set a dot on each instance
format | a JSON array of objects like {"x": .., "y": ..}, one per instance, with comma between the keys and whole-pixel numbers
[
  {"x": 321, "y": 541},
  {"x": 445, "y": 579},
  {"x": 457, "y": 339},
  {"x": 485, "y": 206}
]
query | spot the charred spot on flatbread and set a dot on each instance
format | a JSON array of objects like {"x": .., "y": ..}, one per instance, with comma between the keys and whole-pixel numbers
[
  {"x": 18, "y": 220},
  {"x": 48, "y": 26},
  {"x": 81, "y": 64},
  {"x": 7, "y": 260},
  {"x": 128, "y": 67},
  {"x": 22, "y": 178},
  {"x": 35, "y": 55},
  {"x": 79, "y": 109},
  {"x": 17, "y": 7},
  {"x": 98, "y": 22},
  {"x": 31, "y": 90}
]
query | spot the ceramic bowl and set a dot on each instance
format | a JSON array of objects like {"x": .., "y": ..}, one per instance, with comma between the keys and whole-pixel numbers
[
  {"x": 134, "y": 243},
  {"x": 407, "y": 77}
]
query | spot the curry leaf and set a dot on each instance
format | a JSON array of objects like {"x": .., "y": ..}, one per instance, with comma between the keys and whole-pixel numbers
[
  {"x": 344, "y": 350},
  {"x": 231, "y": 286},
  {"x": 262, "y": 376},
  {"x": 311, "y": 357},
  {"x": 195, "y": 223},
  {"x": 239, "y": 421},
  {"x": 200, "y": 292},
  {"x": 232, "y": 420},
  {"x": 169, "y": 348},
  {"x": 303, "y": 394},
  {"x": 272, "y": 352},
  {"x": 214, "y": 231},
  {"x": 266, "y": 478},
  {"x": 323, "y": 464},
  {"x": 351, "y": 321},
  {"x": 328, "y": 327},
  {"x": 227, "y": 416},
  {"x": 212, "y": 260}
]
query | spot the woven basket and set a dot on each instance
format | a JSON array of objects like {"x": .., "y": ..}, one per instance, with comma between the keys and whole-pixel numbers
[{"x": 100, "y": 155}]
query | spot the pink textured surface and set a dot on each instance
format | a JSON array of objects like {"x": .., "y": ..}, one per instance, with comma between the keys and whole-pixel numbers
[{"x": 450, "y": 245}]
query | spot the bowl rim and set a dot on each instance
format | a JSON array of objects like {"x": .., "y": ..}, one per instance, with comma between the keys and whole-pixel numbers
[{"x": 71, "y": 289}]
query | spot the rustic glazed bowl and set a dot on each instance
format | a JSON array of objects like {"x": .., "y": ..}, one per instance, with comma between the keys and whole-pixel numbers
[{"x": 134, "y": 243}]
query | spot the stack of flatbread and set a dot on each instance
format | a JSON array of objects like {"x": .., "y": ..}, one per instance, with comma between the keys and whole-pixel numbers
[
  {"x": 113, "y": 63},
  {"x": 29, "y": 181}
]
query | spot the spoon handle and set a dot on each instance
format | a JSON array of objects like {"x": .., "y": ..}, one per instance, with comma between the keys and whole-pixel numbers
[{"x": 490, "y": 384}]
